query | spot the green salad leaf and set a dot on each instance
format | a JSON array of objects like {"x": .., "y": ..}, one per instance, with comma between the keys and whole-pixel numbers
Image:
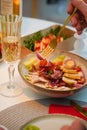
[{"x": 29, "y": 43}]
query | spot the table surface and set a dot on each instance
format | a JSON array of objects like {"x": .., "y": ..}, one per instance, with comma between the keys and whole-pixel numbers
[{"x": 29, "y": 26}]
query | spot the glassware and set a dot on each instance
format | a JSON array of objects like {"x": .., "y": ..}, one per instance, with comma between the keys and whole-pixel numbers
[
  {"x": 79, "y": 43},
  {"x": 80, "y": 46},
  {"x": 11, "y": 49},
  {"x": 11, "y": 7}
]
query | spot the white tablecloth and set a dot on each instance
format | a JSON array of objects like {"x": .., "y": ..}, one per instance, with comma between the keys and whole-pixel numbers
[{"x": 30, "y": 26}]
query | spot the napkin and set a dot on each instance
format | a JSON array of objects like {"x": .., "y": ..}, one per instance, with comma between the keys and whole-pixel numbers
[{"x": 61, "y": 109}]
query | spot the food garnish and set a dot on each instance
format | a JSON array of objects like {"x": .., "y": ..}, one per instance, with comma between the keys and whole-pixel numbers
[
  {"x": 31, "y": 127},
  {"x": 54, "y": 75}
]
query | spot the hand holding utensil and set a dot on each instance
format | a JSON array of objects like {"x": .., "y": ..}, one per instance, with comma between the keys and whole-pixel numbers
[{"x": 67, "y": 21}]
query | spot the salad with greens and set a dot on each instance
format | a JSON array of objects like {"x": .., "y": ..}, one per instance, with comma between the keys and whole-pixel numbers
[{"x": 30, "y": 41}]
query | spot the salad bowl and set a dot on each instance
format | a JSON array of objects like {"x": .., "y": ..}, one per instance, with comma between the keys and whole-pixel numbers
[{"x": 71, "y": 82}]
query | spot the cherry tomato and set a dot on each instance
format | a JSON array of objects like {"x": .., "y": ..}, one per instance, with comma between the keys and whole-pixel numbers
[{"x": 78, "y": 68}]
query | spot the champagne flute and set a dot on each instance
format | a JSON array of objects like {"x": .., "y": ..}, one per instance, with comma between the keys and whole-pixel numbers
[{"x": 11, "y": 49}]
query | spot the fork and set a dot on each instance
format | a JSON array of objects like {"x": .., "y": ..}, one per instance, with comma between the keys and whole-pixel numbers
[
  {"x": 79, "y": 108},
  {"x": 49, "y": 49},
  {"x": 67, "y": 21}
]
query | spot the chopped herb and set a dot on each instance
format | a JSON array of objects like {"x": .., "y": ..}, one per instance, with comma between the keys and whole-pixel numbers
[
  {"x": 55, "y": 31},
  {"x": 49, "y": 72}
]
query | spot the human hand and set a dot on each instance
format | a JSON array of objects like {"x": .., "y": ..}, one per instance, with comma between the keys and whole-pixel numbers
[
  {"x": 76, "y": 125},
  {"x": 79, "y": 20}
]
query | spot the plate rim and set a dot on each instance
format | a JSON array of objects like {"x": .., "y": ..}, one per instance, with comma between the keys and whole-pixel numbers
[{"x": 54, "y": 115}]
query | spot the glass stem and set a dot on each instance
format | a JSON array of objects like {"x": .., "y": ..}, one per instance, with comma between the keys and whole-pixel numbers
[{"x": 11, "y": 71}]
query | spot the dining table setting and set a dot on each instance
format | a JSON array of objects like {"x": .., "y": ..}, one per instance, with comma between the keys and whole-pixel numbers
[{"x": 43, "y": 104}]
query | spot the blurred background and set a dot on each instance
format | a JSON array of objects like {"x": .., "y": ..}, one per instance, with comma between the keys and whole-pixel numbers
[{"x": 53, "y": 10}]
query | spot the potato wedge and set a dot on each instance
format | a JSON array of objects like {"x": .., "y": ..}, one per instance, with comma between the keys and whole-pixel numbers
[
  {"x": 73, "y": 76},
  {"x": 71, "y": 71},
  {"x": 68, "y": 80}
]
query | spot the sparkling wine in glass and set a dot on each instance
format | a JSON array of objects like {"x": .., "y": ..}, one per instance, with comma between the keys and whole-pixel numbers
[{"x": 11, "y": 49}]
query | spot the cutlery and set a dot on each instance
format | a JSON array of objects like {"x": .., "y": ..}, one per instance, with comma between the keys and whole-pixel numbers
[
  {"x": 49, "y": 49},
  {"x": 79, "y": 108},
  {"x": 67, "y": 21}
]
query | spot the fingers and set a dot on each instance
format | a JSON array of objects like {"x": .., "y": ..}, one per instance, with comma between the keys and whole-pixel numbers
[
  {"x": 74, "y": 20},
  {"x": 79, "y": 25},
  {"x": 80, "y": 5},
  {"x": 65, "y": 128},
  {"x": 70, "y": 9},
  {"x": 79, "y": 22},
  {"x": 77, "y": 125}
]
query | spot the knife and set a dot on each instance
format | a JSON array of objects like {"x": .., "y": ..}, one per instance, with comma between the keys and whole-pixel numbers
[{"x": 79, "y": 108}]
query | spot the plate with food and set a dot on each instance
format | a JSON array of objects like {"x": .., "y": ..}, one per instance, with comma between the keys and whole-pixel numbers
[
  {"x": 60, "y": 75},
  {"x": 38, "y": 41},
  {"x": 54, "y": 122}
]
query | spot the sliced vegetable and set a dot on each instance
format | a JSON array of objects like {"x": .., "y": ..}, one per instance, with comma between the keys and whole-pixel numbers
[
  {"x": 39, "y": 56},
  {"x": 66, "y": 70},
  {"x": 58, "y": 59},
  {"x": 78, "y": 68},
  {"x": 82, "y": 80},
  {"x": 31, "y": 127},
  {"x": 29, "y": 63},
  {"x": 69, "y": 81},
  {"x": 73, "y": 76},
  {"x": 59, "y": 39},
  {"x": 43, "y": 63},
  {"x": 69, "y": 63}
]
